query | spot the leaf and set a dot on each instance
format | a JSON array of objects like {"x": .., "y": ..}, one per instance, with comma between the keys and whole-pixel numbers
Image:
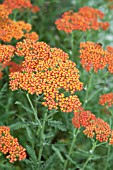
[
  {"x": 57, "y": 124},
  {"x": 48, "y": 162},
  {"x": 4, "y": 88},
  {"x": 18, "y": 125},
  {"x": 24, "y": 107},
  {"x": 58, "y": 153},
  {"x": 32, "y": 154}
]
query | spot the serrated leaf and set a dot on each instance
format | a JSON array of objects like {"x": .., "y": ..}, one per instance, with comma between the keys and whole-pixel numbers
[
  {"x": 24, "y": 107},
  {"x": 4, "y": 88},
  {"x": 48, "y": 162},
  {"x": 57, "y": 124},
  {"x": 32, "y": 154},
  {"x": 58, "y": 153},
  {"x": 18, "y": 125}
]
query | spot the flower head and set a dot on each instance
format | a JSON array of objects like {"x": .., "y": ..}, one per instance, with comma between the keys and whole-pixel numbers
[
  {"x": 10, "y": 146},
  {"x": 93, "y": 126},
  {"x": 98, "y": 128},
  {"x": 93, "y": 56},
  {"x": 12, "y": 4},
  {"x": 85, "y": 19},
  {"x": 106, "y": 99},
  {"x": 47, "y": 70}
]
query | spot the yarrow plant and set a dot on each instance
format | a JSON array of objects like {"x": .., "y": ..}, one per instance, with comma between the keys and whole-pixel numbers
[
  {"x": 55, "y": 89},
  {"x": 85, "y": 19}
]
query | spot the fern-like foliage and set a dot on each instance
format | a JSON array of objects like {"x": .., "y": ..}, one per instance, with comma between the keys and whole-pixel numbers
[
  {"x": 57, "y": 124},
  {"x": 18, "y": 125},
  {"x": 2, "y": 91},
  {"x": 32, "y": 155},
  {"x": 48, "y": 163}
]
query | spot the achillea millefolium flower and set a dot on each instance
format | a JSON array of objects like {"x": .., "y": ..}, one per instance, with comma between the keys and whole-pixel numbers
[
  {"x": 10, "y": 146},
  {"x": 47, "y": 70},
  {"x": 6, "y": 54},
  {"x": 10, "y": 29},
  {"x": 20, "y": 4},
  {"x": 106, "y": 100},
  {"x": 85, "y": 19},
  {"x": 93, "y": 56},
  {"x": 93, "y": 127}
]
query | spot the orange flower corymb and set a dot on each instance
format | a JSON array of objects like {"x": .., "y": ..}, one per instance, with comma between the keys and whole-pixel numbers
[
  {"x": 93, "y": 56},
  {"x": 12, "y": 4},
  {"x": 10, "y": 146},
  {"x": 106, "y": 99},
  {"x": 85, "y": 19},
  {"x": 93, "y": 127},
  {"x": 47, "y": 70},
  {"x": 98, "y": 128}
]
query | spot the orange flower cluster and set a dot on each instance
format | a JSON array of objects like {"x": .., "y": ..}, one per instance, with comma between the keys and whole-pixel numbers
[
  {"x": 10, "y": 29},
  {"x": 10, "y": 146},
  {"x": 4, "y": 11},
  {"x": 32, "y": 36},
  {"x": 47, "y": 70},
  {"x": 12, "y": 4},
  {"x": 13, "y": 67},
  {"x": 93, "y": 56},
  {"x": 6, "y": 54},
  {"x": 99, "y": 129},
  {"x": 106, "y": 99},
  {"x": 82, "y": 118},
  {"x": 85, "y": 19},
  {"x": 110, "y": 59},
  {"x": 94, "y": 127}
]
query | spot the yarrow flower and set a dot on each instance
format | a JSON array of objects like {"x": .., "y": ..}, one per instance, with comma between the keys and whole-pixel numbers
[
  {"x": 98, "y": 129},
  {"x": 93, "y": 126},
  {"x": 12, "y": 4},
  {"x": 13, "y": 67},
  {"x": 32, "y": 36},
  {"x": 47, "y": 70},
  {"x": 93, "y": 56},
  {"x": 110, "y": 59},
  {"x": 10, "y": 146},
  {"x": 11, "y": 29},
  {"x": 6, "y": 54},
  {"x": 4, "y": 11},
  {"x": 85, "y": 19},
  {"x": 106, "y": 100}
]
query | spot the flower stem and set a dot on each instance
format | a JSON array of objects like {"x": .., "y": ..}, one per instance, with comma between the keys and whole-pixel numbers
[
  {"x": 87, "y": 91},
  {"x": 76, "y": 131},
  {"x": 108, "y": 153},
  {"x": 34, "y": 111},
  {"x": 90, "y": 156},
  {"x": 42, "y": 139}
]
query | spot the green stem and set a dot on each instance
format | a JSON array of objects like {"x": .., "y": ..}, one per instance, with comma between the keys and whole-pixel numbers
[
  {"x": 76, "y": 131},
  {"x": 42, "y": 139},
  {"x": 90, "y": 156},
  {"x": 34, "y": 111},
  {"x": 108, "y": 154},
  {"x": 87, "y": 91}
]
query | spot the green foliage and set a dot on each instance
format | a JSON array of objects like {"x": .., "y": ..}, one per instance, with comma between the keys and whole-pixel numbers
[{"x": 57, "y": 124}]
